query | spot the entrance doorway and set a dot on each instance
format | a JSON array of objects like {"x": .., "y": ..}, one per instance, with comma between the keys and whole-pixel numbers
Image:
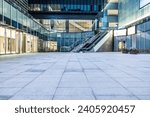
[{"x": 121, "y": 45}]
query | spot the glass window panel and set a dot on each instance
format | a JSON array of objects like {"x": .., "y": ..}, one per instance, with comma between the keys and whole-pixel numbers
[
  {"x": 141, "y": 28},
  {"x": 28, "y": 22},
  {"x": 1, "y": 6},
  {"x": 128, "y": 42},
  {"x": 147, "y": 26},
  {"x": 134, "y": 41},
  {"x": 24, "y": 20},
  {"x": 138, "y": 41},
  {"x": 142, "y": 41},
  {"x": 95, "y": 7},
  {"x": 6, "y": 10},
  {"x": 19, "y": 15},
  {"x": 144, "y": 3},
  {"x": 147, "y": 41},
  {"x": 32, "y": 24},
  {"x": 13, "y": 14},
  {"x": 88, "y": 8},
  {"x": 128, "y": 14}
]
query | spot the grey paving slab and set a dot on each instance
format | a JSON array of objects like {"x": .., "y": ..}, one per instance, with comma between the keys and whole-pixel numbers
[
  {"x": 36, "y": 91},
  {"x": 9, "y": 84},
  {"x": 24, "y": 76},
  {"x": 7, "y": 75},
  {"x": 31, "y": 97},
  {"x": 3, "y": 97},
  {"x": 74, "y": 91},
  {"x": 73, "y": 97},
  {"x": 75, "y": 76},
  {"x": 16, "y": 79},
  {"x": 144, "y": 97},
  {"x": 2, "y": 79},
  {"x": 50, "y": 84},
  {"x": 117, "y": 97},
  {"x": 136, "y": 84},
  {"x": 74, "y": 84},
  {"x": 9, "y": 91},
  {"x": 145, "y": 79},
  {"x": 47, "y": 79},
  {"x": 111, "y": 91},
  {"x": 105, "y": 85},
  {"x": 99, "y": 79},
  {"x": 140, "y": 91},
  {"x": 74, "y": 79},
  {"x": 129, "y": 79}
]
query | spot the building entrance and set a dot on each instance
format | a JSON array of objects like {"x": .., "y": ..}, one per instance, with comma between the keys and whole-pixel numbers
[{"x": 121, "y": 45}]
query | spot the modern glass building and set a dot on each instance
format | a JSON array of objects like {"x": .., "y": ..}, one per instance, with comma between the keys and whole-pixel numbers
[
  {"x": 23, "y": 4},
  {"x": 31, "y": 25},
  {"x": 19, "y": 31},
  {"x": 78, "y": 46},
  {"x": 134, "y": 25}
]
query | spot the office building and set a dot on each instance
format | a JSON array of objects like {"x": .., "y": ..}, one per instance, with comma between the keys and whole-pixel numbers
[
  {"x": 72, "y": 23},
  {"x": 73, "y": 49}
]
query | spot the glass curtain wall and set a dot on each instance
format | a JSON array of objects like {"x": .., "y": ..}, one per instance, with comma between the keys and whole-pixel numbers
[
  {"x": 140, "y": 40},
  {"x": 67, "y": 41},
  {"x": 65, "y": 7},
  {"x": 18, "y": 31},
  {"x": 73, "y": 26},
  {"x": 131, "y": 12},
  {"x": 1, "y": 9}
]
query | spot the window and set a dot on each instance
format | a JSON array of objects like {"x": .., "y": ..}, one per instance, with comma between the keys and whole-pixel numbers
[
  {"x": 144, "y": 3},
  {"x": 1, "y": 6},
  {"x": 147, "y": 41}
]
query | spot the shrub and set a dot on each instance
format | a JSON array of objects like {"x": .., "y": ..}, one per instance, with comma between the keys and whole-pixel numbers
[
  {"x": 126, "y": 51},
  {"x": 134, "y": 51},
  {"x": 147, "y": 51}
]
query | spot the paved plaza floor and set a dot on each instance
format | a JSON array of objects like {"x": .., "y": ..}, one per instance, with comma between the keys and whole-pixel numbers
[{"x": 75, "y": 76}]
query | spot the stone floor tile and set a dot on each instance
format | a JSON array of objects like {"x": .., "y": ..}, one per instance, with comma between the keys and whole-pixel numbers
[
  {"x": 75, "y": 76},
  {"x": 112, "y": 97},
  {"x": 73, "y": 97},
  {"x": 31, "y": 97},
  {"x": 73, "y": 91}
]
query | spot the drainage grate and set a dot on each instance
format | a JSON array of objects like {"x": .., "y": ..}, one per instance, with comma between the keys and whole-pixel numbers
[{"x": 35, "y": 70}]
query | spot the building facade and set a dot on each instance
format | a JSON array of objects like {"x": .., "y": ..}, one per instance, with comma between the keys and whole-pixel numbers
[
  {"x": 25, "y": 24},
  {"x": 134, "y": 25},
  {"x": 19, "y": 31},
  {"x": 21, "y": 4}
]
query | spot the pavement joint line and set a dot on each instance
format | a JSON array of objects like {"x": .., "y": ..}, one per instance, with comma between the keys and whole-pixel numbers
[
  {"x": 122, "y": 85},
  {"x": 27, "y": 84},
  {"x": 87, "y": 80},
  {"x": 60, "y": 78}
]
